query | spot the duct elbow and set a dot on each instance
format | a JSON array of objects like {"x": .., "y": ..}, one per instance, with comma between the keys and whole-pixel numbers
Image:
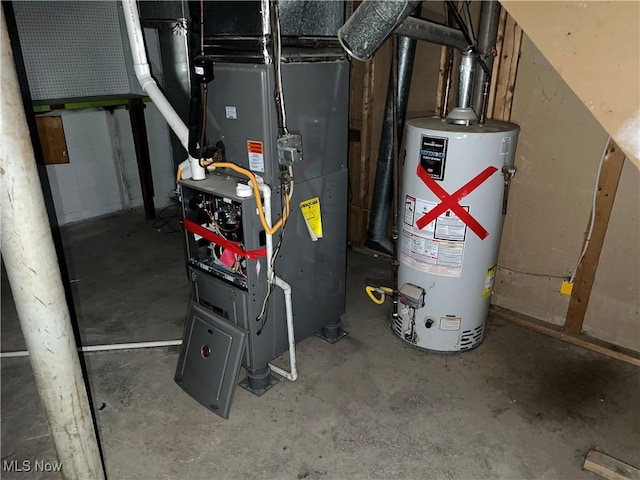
[{"x": 371, "y": 24}]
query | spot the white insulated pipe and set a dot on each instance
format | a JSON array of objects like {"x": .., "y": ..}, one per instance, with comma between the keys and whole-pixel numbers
[
  {"x": 149, "y": 85},
  {"x": 36, "y": 284},
  {"x": 106, "y": 348},
  {"x": 286, "y": 288}
]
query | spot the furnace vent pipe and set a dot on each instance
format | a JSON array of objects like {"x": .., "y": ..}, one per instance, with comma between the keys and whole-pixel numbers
[
  {"x": 34, "y": 275},
  {"x": 150, "y": 87}
]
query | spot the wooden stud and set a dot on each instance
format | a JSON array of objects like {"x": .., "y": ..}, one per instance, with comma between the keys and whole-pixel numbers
[
  {"x": 361, "y": 135},
  {"x": 579, "y": 340},
  {"x": 442, "y": 80},
  {"x": 505, "y": 80},
  {"x": 609, "y": 467},
  {"x": 496, "y": 62},
  {"x": 586, "y": 272},
  {"x": 366, "y": 134}
]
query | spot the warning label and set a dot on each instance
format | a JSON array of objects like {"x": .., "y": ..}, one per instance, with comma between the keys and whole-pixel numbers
[
  {"x": 312, "y": 217},
  {"x": 409, "y": 210},
  {"x": 255, "y": 152},
  {"x": 438, "y": 248},
  {"x": 450, "y": 227},
  {"x": 505, "y": 146},
  {"x": 450, "y": 323},
  {"x": 489, "y": 280}
]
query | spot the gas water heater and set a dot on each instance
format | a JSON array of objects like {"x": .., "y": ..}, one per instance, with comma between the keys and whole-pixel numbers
[{"x": 454, "y": 187}]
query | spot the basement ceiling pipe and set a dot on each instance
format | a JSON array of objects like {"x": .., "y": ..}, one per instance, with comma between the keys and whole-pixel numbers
[{"x": 34, "y": 275}]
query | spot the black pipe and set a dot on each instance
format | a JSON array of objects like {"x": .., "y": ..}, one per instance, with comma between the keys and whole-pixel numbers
[
  {"x": 377, "y": 238},
  {"x": 421, "y": 29}
]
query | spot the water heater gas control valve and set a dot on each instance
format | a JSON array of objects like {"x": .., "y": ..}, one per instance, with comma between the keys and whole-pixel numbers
[{"x": 411, "y": 295}]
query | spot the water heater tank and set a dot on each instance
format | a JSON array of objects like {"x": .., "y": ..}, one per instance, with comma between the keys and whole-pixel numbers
[{"x": 450, "y": 223}]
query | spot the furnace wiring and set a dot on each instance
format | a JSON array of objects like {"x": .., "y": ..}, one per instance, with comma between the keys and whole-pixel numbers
[
  {"x": 264, "y": 312},
  {"x": 571, "y": 278},
  {"x": 168, "y": 220}
]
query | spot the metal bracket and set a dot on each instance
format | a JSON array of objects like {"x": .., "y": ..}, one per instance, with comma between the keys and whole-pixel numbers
[{"x": 508, "y": 171}]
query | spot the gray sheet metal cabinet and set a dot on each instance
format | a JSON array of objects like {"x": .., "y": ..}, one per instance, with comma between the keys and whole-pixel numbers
[
  {"x": 210, "y": 359},
  {"x": 228, "y": 291}
]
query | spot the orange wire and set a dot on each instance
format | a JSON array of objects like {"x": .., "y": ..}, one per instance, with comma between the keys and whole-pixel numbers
[{"x": 256, "y": 191}]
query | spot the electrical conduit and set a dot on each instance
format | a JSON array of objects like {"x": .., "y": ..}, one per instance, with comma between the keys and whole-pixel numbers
[{"x": 106, "y": 348}]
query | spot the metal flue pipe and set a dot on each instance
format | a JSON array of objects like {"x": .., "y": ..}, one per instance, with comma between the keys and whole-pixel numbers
[
  {"x": 377, "y": 237},
  {"x": 466, "y": 72},
  {"x": 487, "y": 35},
  {"x": 34, "y": 274}
]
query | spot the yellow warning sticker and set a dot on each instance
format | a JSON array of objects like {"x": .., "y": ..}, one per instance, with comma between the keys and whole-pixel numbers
[
  {"x": 312, "y": 217},
  {"x": 489, "y": 280}
]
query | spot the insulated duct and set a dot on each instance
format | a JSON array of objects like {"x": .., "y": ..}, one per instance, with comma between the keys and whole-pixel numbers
[
  {"x": 371, "y": 24},
  {"x": 377, "y": 237}
]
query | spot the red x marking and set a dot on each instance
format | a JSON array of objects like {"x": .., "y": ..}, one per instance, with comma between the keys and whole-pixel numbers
[{"x": 451, "y": 202}]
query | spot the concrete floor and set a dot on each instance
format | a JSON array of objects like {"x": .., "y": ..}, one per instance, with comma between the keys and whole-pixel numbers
[{"x": 522, "y": 405}]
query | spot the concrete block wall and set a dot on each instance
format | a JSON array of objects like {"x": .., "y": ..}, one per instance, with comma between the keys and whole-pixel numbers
[
  {"x": 102, "y": 174},
  {"x": 87, "y": 186}
]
